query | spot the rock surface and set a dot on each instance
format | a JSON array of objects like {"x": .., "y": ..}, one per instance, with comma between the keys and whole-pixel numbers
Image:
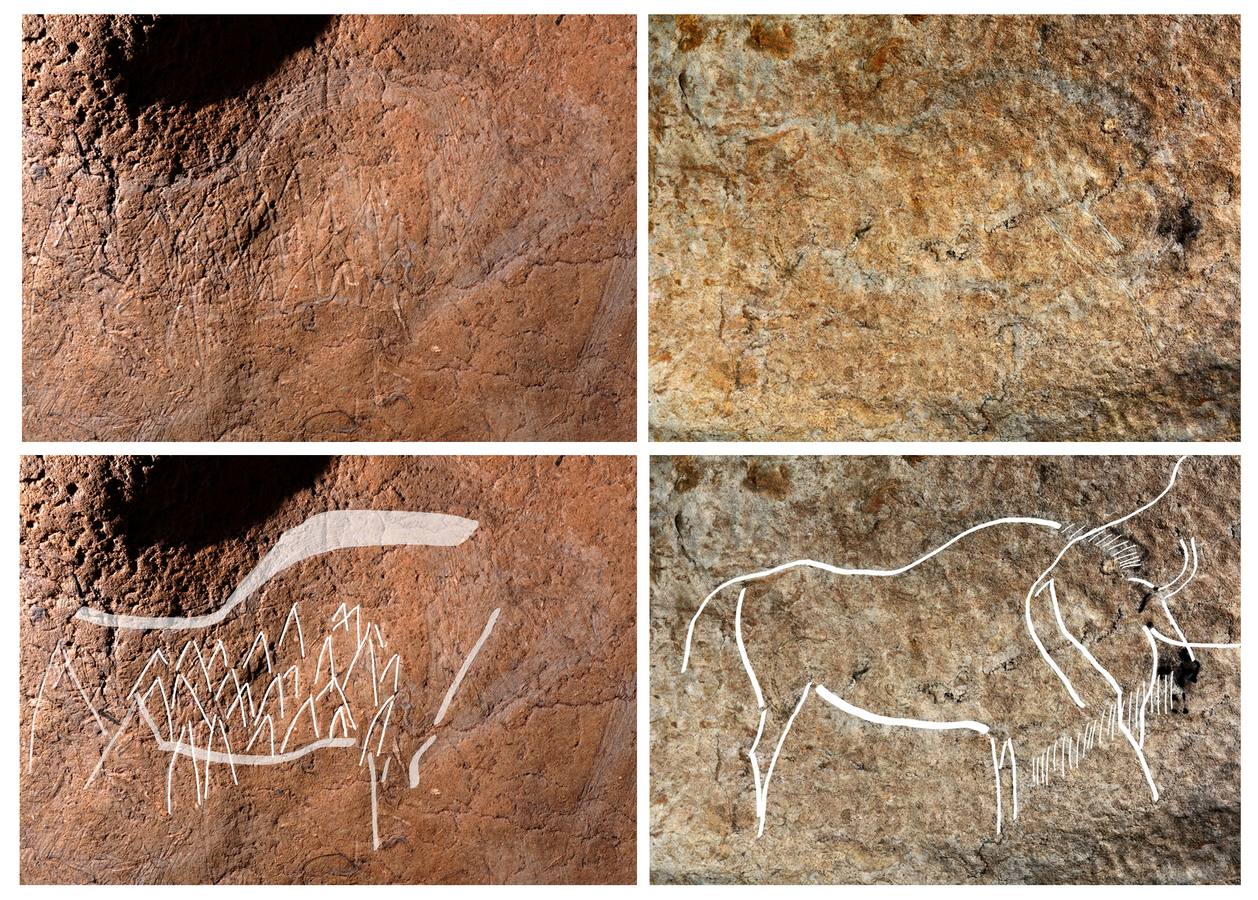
[
  {"x": 530, "y": 777},
  {"x": 945, "y": 228},
  {"x": 350, "y": 228},
  {"x": 854, "y": 801}
]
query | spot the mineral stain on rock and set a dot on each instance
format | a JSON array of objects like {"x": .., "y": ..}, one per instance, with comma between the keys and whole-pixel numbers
[
  {"x": 945, "y": 227},
  {"x": 328, "y": 227},
  {"x": 772, "y": 38},
  {"x": 768, "y": 479}
]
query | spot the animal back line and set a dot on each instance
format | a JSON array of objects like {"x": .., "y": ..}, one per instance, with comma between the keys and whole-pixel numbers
[
  {"x": 841, "y": 570},
  {"x": 319, "y": 534}
]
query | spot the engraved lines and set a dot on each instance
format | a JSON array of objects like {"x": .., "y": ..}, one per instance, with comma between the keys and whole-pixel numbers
[
  {"x": 205, "y": 710},
  {"x": 1127, "y": 714}
]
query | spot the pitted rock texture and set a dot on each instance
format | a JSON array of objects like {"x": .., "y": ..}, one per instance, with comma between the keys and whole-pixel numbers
[
  {"x": 856, "y": 802},
  {"x": 530, "y": 777},
  {"x": 945, "y": 228},
  {"x": 314, "y": 228}
]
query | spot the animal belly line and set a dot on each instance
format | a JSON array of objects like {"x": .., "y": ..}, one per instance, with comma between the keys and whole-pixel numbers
[{"x": 924, "y": 724}]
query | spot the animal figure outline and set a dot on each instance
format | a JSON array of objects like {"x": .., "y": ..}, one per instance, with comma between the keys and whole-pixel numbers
[
  {"x": 1124, "y": 717},
  {"x": 203, "y": 695}
]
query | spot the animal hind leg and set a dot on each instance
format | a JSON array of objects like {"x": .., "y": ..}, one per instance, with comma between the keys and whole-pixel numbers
[
  {"x": 375, "y": 826},
  {"x": 1007, "y": 759}
]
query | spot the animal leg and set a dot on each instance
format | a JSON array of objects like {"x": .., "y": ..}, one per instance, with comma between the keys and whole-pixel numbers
[
  {"x": 996, "y": 774},
  {"x": 1124, "y": 722},
  {"x": 754, "y": 755},
  {"x": 375, "y": 827},
  {"x": 1008, "y": 758}
]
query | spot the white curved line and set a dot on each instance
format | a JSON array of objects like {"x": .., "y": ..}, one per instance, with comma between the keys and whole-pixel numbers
[
  {"x": 1166, "y": 607},
  {"x": 773, "y": 761},
  {"x": 1153, "y": 682},
  {"x": 1113, "y": 683},
  {"x": 762, "y": 790},
  {"x": 839, "y": 570},
  {"x": 742, "y": 650},
  {"x": 996, "y": 772},
  {"x": 1038, "y": 585},
  {"x": 467, "y": 664},
  {"x": 293, "y": 616},
  {"x": 270, "y": 724},
  {"x": 837, "y": 701},
  {"x": 1065, "y": 632},
  {"x": 1192, "y": 542},
  {"x": 82, "y": 693},
  {"x": 314, "y": 722},
  {"x": 1013, "y": 762},
  {"x": 394, "y": 664},
  {"x": 100, "y": 763},
  {"x": 170, "y": 769},
  {"x": 1183, "y": 550},
  {"x": 375, "y": 827},
  {"x": 755, "y": 771},
  {"x": 414, "y": 767},
  {"x": 386, "y": 706},
  {"x": 321, "y": 533},
  {"x": 178, "y": 748}
]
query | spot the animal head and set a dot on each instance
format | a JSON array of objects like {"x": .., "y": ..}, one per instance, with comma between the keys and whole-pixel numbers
[{"x": 1139, "y": 598}]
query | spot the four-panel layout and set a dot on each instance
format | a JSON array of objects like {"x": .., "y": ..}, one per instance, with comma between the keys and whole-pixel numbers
[{"x": 422, "y": 669}]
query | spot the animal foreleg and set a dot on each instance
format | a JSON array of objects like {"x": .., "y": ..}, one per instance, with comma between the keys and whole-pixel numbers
[
  {"x": 762, "y": 784},
  {"x": 375, "y": 826},
  {"x": 996, "y": 773},
  {"x": 1123, "y": 724}
]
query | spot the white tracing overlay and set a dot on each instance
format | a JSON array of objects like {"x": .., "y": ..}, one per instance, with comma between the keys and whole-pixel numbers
[
  {"x": 329, "y": 688},
  {"x": 1124, "y": 718}
]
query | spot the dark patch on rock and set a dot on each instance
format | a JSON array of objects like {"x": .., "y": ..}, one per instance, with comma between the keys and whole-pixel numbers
[
  {"x": 1180, "y": 224},
  {"x": 195, "y": 61},
  {"x": 197, "y": 501},
  {"x": 773, "y": 38},
  {"x": 768, "y": 479}
]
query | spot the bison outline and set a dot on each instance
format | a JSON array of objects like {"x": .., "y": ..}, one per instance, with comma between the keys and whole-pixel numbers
[{"x": 1125, "y": 715}]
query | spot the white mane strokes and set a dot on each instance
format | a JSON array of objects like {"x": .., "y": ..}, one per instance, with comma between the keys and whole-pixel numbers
[{"x": 1117, "y": 546}]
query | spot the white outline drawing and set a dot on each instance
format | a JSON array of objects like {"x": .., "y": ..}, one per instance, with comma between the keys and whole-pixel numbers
[
  {"x": 1124, "y": 717},
  {"x": 208, "y": 713}
]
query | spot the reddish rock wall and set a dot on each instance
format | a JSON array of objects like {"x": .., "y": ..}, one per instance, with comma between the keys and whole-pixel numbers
[{"x": 328, "y": 228}]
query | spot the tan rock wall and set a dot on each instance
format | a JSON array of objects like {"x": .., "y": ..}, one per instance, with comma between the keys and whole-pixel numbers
[
  {"x": 945, "y": 228},
  {"x": 853, "y": 801}
]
